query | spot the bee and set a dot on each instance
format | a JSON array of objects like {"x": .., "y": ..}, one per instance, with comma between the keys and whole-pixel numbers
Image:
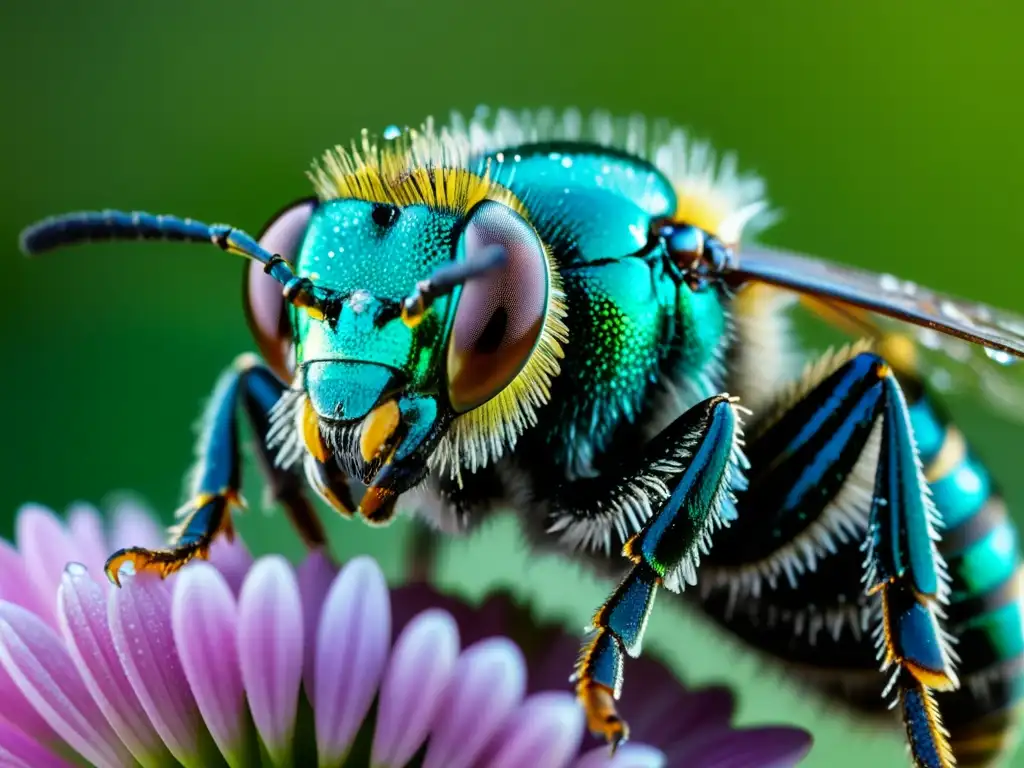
[{"x": 571, "y": 314}]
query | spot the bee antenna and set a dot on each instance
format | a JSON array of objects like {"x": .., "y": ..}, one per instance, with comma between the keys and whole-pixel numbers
[
  {"x": 91, "y": 226},
  {"x": 447, "y": 278}
]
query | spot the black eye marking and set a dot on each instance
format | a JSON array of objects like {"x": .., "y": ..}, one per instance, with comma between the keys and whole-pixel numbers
[
  {"x": 384, "y": 215},
  {"x": 493, "y": 333}
]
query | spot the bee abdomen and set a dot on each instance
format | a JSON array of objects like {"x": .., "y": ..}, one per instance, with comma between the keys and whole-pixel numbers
[{"x": 985, "y": 613}]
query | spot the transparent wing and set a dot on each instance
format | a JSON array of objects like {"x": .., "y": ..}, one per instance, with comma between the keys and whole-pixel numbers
[{"x": 961, "y": 346}]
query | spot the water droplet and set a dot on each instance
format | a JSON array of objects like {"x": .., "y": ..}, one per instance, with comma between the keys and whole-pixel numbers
[
  {"x": 75, "y": 571},
  {"x": 392, "y": 132},
  {"x": 889, "y": 283},
  {"x": 1001, "y": 357},
  {"x": 953, "y": 312},
  {"x": 930, "y": 338},
  {"x": 567, "y": 162}
]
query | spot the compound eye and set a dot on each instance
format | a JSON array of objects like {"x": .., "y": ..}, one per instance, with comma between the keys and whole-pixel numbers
[
  {"x": 500, "y": 315},
  {"x": 265, "y": 306}
]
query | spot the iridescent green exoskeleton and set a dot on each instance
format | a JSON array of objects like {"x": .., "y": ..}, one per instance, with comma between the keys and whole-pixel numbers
[{"x": 549, "y": 311}]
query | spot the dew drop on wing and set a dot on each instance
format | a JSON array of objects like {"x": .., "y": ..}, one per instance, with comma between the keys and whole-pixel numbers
[
  {"x": 930, "y": 338},
  {"x": 1001, "y": 357}
]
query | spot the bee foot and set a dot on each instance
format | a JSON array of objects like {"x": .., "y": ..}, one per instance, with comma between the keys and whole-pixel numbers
[{"x": 602, "y": 717}]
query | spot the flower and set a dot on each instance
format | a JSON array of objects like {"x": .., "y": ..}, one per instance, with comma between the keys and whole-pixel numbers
[{"x": 242, "y": 662}]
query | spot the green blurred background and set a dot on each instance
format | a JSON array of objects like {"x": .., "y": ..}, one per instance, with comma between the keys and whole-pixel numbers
[{"x": 888, "y": 133}]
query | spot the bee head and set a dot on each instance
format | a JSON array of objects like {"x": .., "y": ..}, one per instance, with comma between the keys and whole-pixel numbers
[{"x": 432, "y": 320}]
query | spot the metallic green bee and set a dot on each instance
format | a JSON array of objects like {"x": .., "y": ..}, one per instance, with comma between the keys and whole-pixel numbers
[{"x": 546, "y": 309}]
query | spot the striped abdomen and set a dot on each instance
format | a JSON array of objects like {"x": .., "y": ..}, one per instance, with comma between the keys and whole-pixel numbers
[
  {"x": 791, "y": 584},
  {"x": 982, "y": 551}
]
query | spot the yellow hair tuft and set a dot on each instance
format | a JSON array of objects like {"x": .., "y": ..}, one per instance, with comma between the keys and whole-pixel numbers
[{"x": 417, "y": 167}]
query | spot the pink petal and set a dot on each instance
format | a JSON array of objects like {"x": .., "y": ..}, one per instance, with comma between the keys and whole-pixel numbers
[
  {"x": 45, "y": 549},
  {"x": 15, "y": 586},
  {"x": 232, "y": 559},
  {"x": 134, "y": 525},
  {"x": 82, "y": 615},
  {"x": 270, "y": 651},
  {"x": 770, "y": 747},
  {"x": 85, "y": 529},
  {"x": 352, "y": 650},
  {"x": 421, "y": 667},
  {"x": 35, "y": 659},
  {"x": 20, "y": 750},
  {"x": 316, "y": 573},
  {"x": 204, "y": 616},
  {"x": 487, "y": 685},
  {"x": 630, "y": 755},
  {"x": 546, "y": 730},
  {"x": 14, "y": 708},
  {"x": 140, "y": 623}
]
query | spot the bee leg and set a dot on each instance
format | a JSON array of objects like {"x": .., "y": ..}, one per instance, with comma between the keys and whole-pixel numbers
[
  {"x": 906, "y": 572},
  {"x": 217, "y": 475},
  {"x": 688, "y": 470},
  {"x": 839, "y": 458}
]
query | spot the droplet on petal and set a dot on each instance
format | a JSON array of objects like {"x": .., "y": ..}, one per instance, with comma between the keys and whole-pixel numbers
[
  {"x": 488, "y": 683},
  {"x": 420, "y": 669},
  {"x": 204, "y": 616},
  {"x": 630, "y": 755},
  {"x": 85, "y": 529},
  {"x": 140, "y": 624},
  {"x": 315, "y": 574},
  {"x": 34, "y": 657},
  {"x": 82, "y": 615},
  {"x": 353, "y": 641},
  {"x": 270, "y": 651}
]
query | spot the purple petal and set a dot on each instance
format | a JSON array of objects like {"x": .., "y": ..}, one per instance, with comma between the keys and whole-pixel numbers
[
  {"x": 18, "y": 750},
  {"x": 270, "y": 651},
  {"x": 82, "y": 615},
  {"x": 15, "y": 586},
  {"x": 546, "y": 730},
  {"x": 771, "y": 747},
  {"x": 85, "y": 529},
  {"x": 45, "y": 550},
  {"x": 421, "y": 666},
  {"x": 673, "y": 715},
  {"x": 631, "y": 755},
  {"x": 205, "y": 621},
  {"x": 316, "y": 573},
  {"x": 140, "y": 623},
  {"x": 35, "y": 659},
  {"x": 134, "y": 526},
  {"x": 353, "y": 641},
  {"x": 232, "y": 559},
  {"x": 16, "y": 710},
  {"x": 488, "y": 682}
]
